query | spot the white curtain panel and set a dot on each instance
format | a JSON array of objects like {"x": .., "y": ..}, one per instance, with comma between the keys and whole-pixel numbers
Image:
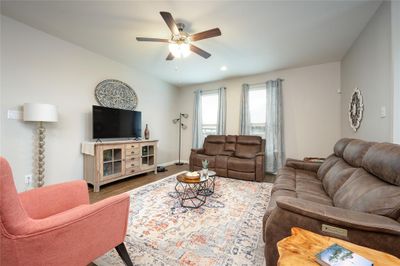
[
  {"x": 274, "y": 150},
  {"x": 244, "y": 111},
  {"x": 221, "y": 126},
  {"x": 197, "y": 141}
]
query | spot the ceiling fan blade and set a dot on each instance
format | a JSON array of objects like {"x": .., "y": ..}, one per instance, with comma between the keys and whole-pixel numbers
[
  {"x": 199, "y": 51},
  {"x": 205, "y": 34},
  {"x": 170, "y": 57},
  {"x": 170, "y": 22},
  {"x": 144, "y": 39}
]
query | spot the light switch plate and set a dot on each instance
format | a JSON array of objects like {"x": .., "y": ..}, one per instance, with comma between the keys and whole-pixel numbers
[
  {"x": 14, "y": 114},
  {"x": 383, "y": 111}
]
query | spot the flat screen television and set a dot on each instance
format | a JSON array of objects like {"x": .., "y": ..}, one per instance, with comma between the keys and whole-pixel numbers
[{"x": 116, "y": 123}]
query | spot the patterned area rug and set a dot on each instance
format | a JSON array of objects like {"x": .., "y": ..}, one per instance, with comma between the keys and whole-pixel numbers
[{"x": 226, "y": 230}]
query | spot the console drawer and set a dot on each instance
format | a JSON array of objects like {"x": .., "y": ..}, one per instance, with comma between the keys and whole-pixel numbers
[
  {"x": 132, "y": 162},
  {"x": 132, "y": 152},
  {"x": 132, "y": 146}
]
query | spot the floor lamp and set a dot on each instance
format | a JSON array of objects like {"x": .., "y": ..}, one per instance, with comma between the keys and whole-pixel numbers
[
  {"x": 38, "y": 112},
  {"x": 181, "y": 126}
]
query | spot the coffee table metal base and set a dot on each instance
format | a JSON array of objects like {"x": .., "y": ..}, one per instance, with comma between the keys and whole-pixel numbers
[{"x": 190, "y": 194}]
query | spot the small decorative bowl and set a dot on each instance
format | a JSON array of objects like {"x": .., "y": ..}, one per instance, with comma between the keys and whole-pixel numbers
[{"x": 192, "y": 175}]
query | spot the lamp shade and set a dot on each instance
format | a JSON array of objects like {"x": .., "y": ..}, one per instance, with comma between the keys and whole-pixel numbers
[{"x": 40, "y": 112}]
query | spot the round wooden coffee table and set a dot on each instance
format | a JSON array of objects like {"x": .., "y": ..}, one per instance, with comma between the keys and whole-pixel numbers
[{"x": 190, "y": 190}]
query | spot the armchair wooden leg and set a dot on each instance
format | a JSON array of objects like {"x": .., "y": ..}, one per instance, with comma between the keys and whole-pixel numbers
[{"x": 123, "y": 253}]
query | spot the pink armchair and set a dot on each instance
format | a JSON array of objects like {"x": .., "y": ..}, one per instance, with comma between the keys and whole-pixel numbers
[{"x": 56, "y": 225}]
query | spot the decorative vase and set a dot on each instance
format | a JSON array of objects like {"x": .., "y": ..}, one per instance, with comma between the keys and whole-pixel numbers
[
  {"x": 205, "y": 171},
  {"x": 146, "y": 132}
]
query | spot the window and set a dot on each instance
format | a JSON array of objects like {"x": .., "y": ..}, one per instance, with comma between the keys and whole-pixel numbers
[
  {"x": 257, "y": 110},
  {"x": 209, "y": 114}
]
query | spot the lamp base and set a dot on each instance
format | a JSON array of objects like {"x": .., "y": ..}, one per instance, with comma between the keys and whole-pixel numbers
[{"x": 179, "y": 163}]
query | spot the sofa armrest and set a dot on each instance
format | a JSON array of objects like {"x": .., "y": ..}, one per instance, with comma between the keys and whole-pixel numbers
[
  {"x": 339, "y": 216},
  {"x": 302, "y": 165},
  {"x": 46, "y": 201},
  {"x": 199, "y": 151}
]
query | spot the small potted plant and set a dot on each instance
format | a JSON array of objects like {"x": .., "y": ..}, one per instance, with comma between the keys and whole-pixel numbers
[{"x": 205, "y": 167}]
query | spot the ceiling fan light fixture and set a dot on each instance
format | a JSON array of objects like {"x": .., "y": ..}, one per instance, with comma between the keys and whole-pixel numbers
[{"x": 179, "y": 50}]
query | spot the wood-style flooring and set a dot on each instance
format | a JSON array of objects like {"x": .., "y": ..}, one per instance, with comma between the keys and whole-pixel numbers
[{"x": 128, "y": 184}]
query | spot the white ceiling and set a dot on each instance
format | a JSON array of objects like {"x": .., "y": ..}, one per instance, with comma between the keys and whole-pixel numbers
[{"x": 257, "y": 36}]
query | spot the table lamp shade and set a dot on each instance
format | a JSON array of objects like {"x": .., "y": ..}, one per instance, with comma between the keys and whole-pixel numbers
[{"x": 40, "y": 112}]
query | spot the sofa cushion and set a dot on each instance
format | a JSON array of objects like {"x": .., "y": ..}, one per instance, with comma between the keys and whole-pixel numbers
[
  {"x": 382, "y": 160},
  {"x": 320, "y": 198},
  {"x": 326, "y": 165},
  {"x": 354, "y": 152},
  {"x": 241, "y": 175},
  {"x": 200, "y": 157},
  {"x": 230, "y": 143},
  {"x": 248, "y": 146},
  {"x": 251, "y": 140},
  {"x": 241, "y": 165},
  {"x": 214, "y": 145},
  {"x": 339, "y": 147},
  {"x": 367, "y": 193},
  {"x": 285, "y": 182},
  {"x": 336, "y": 176},
  {"x": 221, "y": 161}
]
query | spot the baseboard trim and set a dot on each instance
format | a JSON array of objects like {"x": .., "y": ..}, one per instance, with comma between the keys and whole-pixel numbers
[{"x": 172, "y": 163}]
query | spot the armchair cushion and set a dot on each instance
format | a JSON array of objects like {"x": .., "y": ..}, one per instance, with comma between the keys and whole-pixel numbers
[{"x": 49, "y": 200}]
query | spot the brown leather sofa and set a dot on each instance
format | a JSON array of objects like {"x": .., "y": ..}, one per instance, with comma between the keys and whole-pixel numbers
[
  {"x": 240, "y": 157},
  {"x": 357, "y": 188}
]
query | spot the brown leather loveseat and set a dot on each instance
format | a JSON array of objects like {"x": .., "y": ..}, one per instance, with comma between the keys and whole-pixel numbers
[
  {"x": 356, "y": 190},
  {"x": 240, "y": 157}
]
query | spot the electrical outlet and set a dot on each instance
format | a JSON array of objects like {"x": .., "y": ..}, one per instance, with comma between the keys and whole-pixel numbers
[{"x": 28, "y": 181}]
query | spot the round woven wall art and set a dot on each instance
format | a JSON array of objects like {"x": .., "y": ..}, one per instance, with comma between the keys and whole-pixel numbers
[{"x": 116, "y": 94}]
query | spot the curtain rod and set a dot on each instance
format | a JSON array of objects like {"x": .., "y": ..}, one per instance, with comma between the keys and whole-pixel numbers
[{"x": 261, "y": 83}]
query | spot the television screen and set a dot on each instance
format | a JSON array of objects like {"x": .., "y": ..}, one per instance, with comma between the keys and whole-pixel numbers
[{"x": 116, "y": 123}]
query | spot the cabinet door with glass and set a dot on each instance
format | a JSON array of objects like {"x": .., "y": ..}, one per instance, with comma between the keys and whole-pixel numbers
[
  {"x": 148, "y": 155},
  {"x": 112, "y": 163}
]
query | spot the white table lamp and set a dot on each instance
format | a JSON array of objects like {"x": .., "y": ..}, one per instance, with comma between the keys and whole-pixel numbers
[{"x": 38, "y": 112}]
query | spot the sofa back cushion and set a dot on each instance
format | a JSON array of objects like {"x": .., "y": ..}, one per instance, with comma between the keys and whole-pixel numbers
[
  {"x": 355, "y": 150},
  {"x": 337, "y": 176},
  {"x": 248, "y": 146},
  {"x": 214, "y": 145},
  {"x": 339, "y": 147},
  {"x": 327, "y": 165},
  {"x": 383, "y": 161},
  {"x": 366, "y": 193},
  {"x": 230, "y": 143}
]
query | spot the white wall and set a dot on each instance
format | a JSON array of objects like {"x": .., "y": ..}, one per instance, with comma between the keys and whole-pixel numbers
[
  {"x": 310, "y": 101},
  {"x": 395, "y": 25},
  {"x": 367, "y": 65},
  {"x": 37, "y": 67}
]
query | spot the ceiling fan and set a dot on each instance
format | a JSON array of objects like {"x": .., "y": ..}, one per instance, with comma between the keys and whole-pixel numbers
[{"x": 180, "y": 43}]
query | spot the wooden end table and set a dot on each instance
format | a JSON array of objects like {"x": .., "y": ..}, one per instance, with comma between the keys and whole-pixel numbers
[{"x": 300, "y": 248}]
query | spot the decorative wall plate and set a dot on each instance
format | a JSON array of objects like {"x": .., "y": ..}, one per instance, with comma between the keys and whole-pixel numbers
[
  {"x": 356, "y": 108},
  {"x": 116, "y": 94}
]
